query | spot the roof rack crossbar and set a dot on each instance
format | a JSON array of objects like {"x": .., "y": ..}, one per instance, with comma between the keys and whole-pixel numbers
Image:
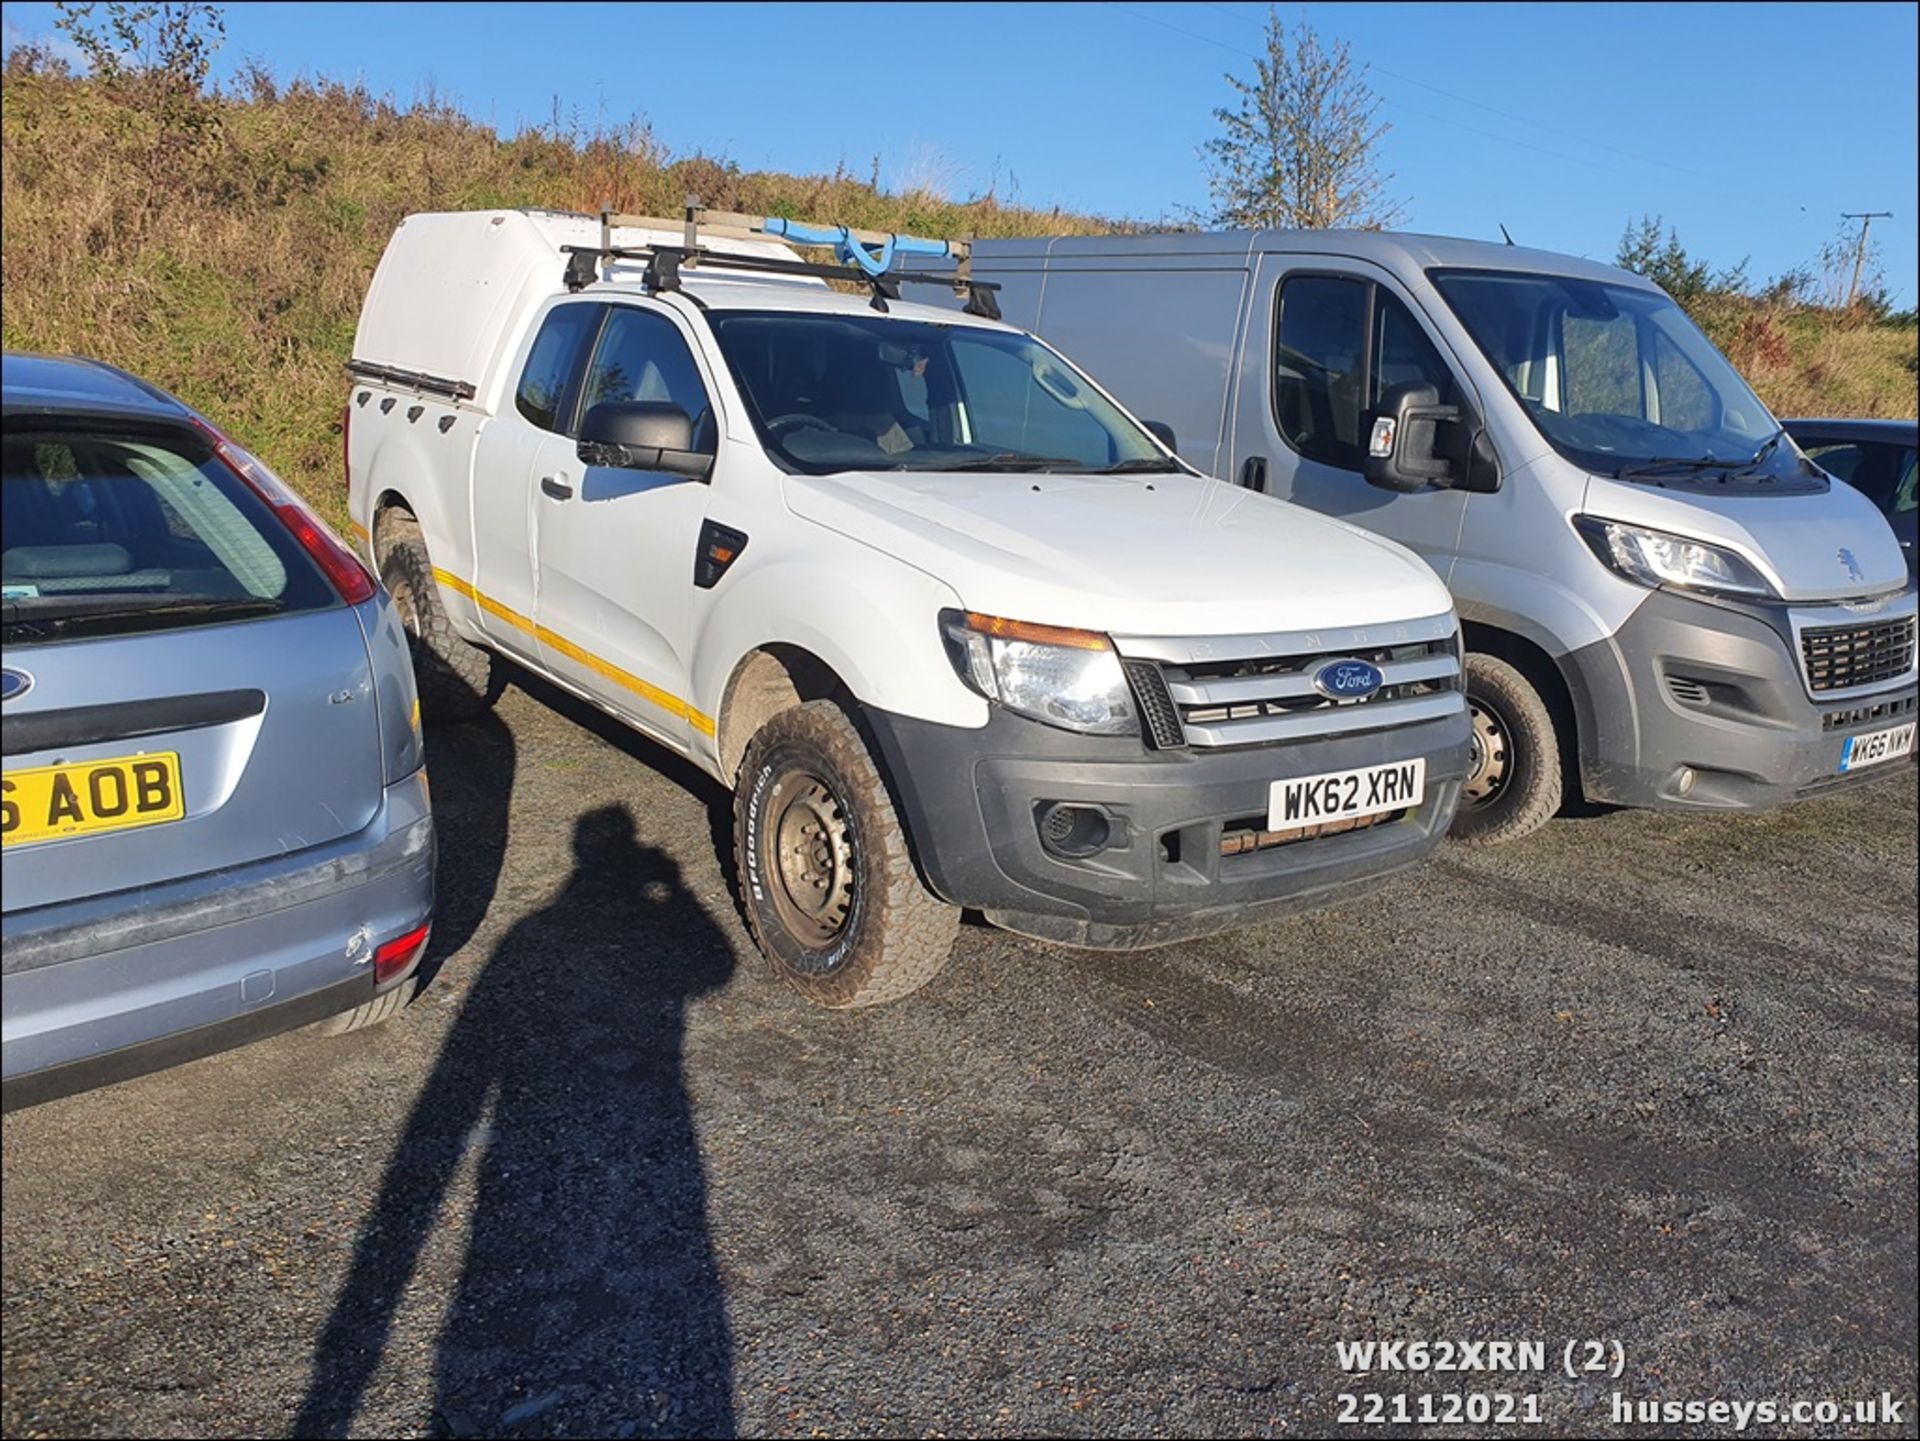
[{"x": 857, "y": 260}]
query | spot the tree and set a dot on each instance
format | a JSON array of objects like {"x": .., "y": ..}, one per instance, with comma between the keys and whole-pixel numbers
[
  {"x": 1298, "y": 151},
  {"x": 1667, "y": 264}
]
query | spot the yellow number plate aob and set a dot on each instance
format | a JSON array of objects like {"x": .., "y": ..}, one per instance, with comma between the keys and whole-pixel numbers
[{"x": 50, "y": 803}]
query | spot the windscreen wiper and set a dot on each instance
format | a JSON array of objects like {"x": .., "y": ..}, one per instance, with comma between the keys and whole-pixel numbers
[
  {"x": 1140, "y": 463},
  {"x": 1654, "y": 466},
  {"x": 1013, "y": 460},
  {"x": 1752, "y": 468}
]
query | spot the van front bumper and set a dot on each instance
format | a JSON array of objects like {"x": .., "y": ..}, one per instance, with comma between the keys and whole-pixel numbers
[
  {"x": 1699, "y": 704},
  {"x": 971, "y": 800},
  {"x": 109, "y": 987}
]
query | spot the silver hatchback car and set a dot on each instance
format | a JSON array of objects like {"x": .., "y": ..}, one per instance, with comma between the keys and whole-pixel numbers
[{"x": 215, "y": 818}]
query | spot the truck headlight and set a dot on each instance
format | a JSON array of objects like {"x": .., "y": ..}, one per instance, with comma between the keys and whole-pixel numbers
[
  {"x": 1656, "y": 558},
  {"x": 1068, "y": 678}
]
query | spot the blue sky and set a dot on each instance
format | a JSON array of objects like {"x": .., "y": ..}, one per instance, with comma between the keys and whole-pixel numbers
[{"x": 1748, "y": 127}]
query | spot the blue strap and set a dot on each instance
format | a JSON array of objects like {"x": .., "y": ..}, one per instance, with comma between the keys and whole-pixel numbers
[{"x": 849, "y": 250}]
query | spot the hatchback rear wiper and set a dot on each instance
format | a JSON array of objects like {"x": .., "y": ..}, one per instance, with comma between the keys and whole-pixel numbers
[{"x": 75, "y": 614}]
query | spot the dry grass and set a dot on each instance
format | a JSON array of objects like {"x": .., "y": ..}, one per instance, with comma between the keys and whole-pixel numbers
[
  {"x": 228, "y": 262},
  {"x": 1804, "y": 361}
]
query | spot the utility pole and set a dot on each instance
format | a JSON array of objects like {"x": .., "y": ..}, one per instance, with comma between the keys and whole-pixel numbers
[{"x": 1866, "y": 219}]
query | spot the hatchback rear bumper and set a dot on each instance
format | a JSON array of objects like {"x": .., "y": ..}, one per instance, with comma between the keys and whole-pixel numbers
[{"x": 108, "y": 987}]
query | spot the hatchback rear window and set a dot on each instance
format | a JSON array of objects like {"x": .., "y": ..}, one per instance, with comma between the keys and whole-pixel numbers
[{"x": 116, "y": 530}]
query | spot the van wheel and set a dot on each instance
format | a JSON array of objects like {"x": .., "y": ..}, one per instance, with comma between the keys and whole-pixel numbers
[
  {"x": 383, "y": 1007},
  {"x": 1513, "y": 786},
  {"x": 455, "y": 678},
  {"x": 828, "y": 886}
]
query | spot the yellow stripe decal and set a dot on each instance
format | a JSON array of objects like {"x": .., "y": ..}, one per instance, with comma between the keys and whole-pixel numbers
[
  {"x": 672, "y": 704},
  {"x": 359, "y": 530}
]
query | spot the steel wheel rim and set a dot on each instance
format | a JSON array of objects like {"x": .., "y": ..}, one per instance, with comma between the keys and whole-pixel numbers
[
  {"x": 1492, "y": 756},
  {"x": 812, "y": 866}
]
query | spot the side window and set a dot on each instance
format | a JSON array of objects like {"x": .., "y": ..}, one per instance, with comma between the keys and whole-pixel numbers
[
  {"x": 552, "y": 364},
  {"x": 1403, "y": 355},
  {"x": 1904, "y": 500},
  {"x": 1318, "y": 358},
  {"x": 642, "y": 356}
]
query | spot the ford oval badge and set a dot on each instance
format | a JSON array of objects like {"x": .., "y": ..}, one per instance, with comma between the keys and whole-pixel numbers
[
  {"x": 14, "y": 683},
  {"x": 1348, "y": 679}
]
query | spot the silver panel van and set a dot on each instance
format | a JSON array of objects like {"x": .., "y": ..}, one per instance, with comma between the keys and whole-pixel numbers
[{"x": 1665, "y": 603}]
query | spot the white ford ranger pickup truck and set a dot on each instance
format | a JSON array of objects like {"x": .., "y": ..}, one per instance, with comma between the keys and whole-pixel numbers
[{"x": 956, "y": 629}]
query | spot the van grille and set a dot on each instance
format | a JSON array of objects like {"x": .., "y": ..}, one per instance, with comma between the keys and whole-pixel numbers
[
  {"x": 1258, "y": 690},
  {"x": 1869, "y": 713},
  {"x": 1839, "y": 657}
]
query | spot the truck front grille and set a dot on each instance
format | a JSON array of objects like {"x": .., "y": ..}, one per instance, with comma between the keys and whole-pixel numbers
[
  {"x": 1258, "y": 689},
  {"x": 1839, "y": 657}
]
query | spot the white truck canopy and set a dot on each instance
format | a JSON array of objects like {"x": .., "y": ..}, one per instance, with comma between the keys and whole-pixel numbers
[{"x": 455, "y": 291}]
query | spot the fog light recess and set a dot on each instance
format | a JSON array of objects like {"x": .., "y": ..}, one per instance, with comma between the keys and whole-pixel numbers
[{"x": 1073, "y": 832}]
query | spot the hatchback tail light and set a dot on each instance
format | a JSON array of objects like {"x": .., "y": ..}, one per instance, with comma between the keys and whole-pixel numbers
[
  {"x": 342, "y": 567},
  {"x": 393, "y": 958}
]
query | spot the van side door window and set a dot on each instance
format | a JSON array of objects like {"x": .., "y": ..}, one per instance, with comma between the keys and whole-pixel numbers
[
  {"x": 544, "y": 395},
  {"x": 1342, "y": 344},
  {"x": 1319, "y": 366}
]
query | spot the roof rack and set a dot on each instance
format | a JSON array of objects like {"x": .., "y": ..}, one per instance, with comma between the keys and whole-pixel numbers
[{"x": 864, "y": 257}]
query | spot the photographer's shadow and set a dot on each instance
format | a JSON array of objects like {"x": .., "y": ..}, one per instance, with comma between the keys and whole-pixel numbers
[{"x": 589, "y": 1298}]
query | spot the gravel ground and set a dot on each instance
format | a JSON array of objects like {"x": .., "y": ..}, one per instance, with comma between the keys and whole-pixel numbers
[{"x": 1639, "y": 1078}]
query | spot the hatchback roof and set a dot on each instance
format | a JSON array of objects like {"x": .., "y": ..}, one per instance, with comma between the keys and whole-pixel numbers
[{"x": 51, "y": 384}]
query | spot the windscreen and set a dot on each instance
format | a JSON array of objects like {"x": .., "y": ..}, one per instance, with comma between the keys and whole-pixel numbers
[
  {"x": 836, "y": 392},
  {"x": 1616, "y": 377},
  {"x": 113, "y": 531}
]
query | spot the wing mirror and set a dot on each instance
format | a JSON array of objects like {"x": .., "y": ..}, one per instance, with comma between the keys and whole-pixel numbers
[
  {"x": 642, "y": 435},
  {"x": 1404, "y": 446},
  {"x": 1164, "y": 434},
  {"x": 1415, "y": 441}
]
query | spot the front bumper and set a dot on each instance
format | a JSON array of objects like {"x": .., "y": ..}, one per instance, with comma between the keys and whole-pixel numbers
[
  {"x": 1714, "y": 690},
  {"x": 969, "y": 798},
  {"x": 108, "y": 987}
]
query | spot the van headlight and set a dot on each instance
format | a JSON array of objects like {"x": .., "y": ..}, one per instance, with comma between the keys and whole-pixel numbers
[
  {"x": 1656, "y": 558},
  {"x": 1068, "y": 678}
]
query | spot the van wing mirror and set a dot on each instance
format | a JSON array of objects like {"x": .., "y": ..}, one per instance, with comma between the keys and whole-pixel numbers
[
  {"x": 1164, "y": 434},
  {"x": 642, "y": 435},
  {"x": 1405, "y": 449}
]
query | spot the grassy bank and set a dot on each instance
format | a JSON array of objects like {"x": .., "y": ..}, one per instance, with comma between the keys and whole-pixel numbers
[{"x": 221, "y": 245}]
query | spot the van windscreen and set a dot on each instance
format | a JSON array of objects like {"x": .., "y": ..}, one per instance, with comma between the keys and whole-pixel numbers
[{"x": 1616, "y": 377}]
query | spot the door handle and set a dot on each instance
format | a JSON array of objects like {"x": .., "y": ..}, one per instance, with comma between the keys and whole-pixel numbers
[
  {"x": 556, "y": 486},
  {"x": 1253, "y": 474}
]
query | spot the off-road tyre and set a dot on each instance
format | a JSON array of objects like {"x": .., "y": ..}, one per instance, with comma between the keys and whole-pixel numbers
[
  {"x": 455, "y": 678},
  {"x": 828, "y": 885},
  {"x": 1515, "y": 785}
]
